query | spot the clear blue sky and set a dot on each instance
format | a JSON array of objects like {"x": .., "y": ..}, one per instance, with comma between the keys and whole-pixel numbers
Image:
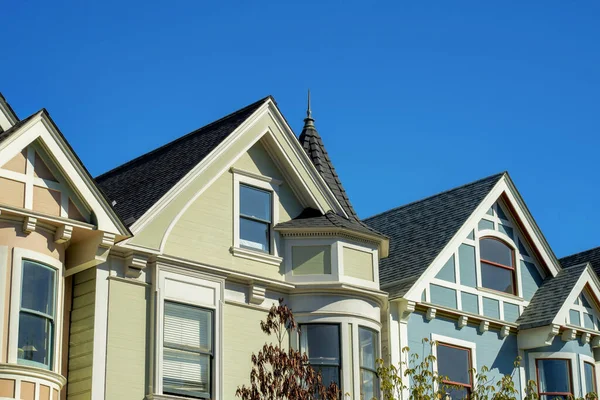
[{"x": 411, "y": 98}]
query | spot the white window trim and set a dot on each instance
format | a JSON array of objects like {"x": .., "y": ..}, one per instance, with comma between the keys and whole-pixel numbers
[
  {"x": 265, "y": 183},
  {"x": 582, "y": 360},
  {"x": 459, "y": 343},
  {"x": 191, "y": 278},
  {"x": 584, "y": 310},
  {"x": 20, "y": 254},
  {"x": 375, "y": 267},
  {"x": 3, "y": 287},
  {"x": 559, "y": 354}
]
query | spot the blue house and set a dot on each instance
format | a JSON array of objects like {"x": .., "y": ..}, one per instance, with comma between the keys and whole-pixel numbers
[{"x": 470, "y": 269}]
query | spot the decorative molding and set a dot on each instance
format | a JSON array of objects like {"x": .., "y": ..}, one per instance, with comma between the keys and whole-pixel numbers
[
  {"x": 29, "y": 224},
  {"x": 257, "y": 293},
  {"x": 63, "y": 234},
  {"x": 484, "y": 326},
  {"x": 405, "y": 308},
  {"x": 586, "y": 337},
  {"x": 134, "y": 264},
  {"x": 256, "y": 256},
  {"x": 596, "y": 342},
  {"x": 252, "y": 175},
  {"x": 504, "y": 331},
  {"x": 108, "y": 240},
  {"x": 462, "y": 321},
  {"x": 568, "y": 335},
  {"x": 430, "y": 313}
]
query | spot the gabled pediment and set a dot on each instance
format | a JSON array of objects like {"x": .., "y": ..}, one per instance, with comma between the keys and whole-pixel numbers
[{"x": 47, "y": 179}]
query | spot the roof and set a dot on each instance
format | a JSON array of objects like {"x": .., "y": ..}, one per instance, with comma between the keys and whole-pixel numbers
[
  {"x": 591, "y": 256},
  {"x": 138, "y": 184},
  {"x": 313, "y": 146},
  {"x": 550, "y": 297},
  {"x": 7, "y": 133},
  {"x": 419, "y": 231},
  {"x": 311, "y": 218}
]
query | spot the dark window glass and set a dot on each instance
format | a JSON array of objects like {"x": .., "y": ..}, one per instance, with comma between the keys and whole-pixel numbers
[
  {"x": 369, "y": 383},
  {"x": 321, "y": 343},
  {"x": 554, "y": 377},
  {"x": 590, "y": 377},
  {"x": 495, "y": 251},
  {"x": 497, "y": 265},
  {"x": 496, "y": 278},
  {"x": 255, "y": 218},
  {"x": 454, "y": 364}
]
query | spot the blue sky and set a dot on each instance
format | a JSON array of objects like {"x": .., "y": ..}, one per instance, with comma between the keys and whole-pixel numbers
[{"x": 411, "y": 98}]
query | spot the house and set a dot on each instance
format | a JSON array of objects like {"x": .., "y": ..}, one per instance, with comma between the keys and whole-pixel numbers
[{"x": 150, "y": 280}]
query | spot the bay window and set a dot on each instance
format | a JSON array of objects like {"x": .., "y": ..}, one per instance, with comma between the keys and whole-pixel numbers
[
  {"x": 37, "y": 314},
  {"x": 589, "y": 370},
  {"x": 368, "y": 353},
  {"x": 255, "y": 218},
  {"x": 321, "y": 343},
  {"x": 454, "y": 365},
  {"x": 187, "y": 350},
  {"x": 497, "y": 265},
  {"x": 554, "y": 378}
]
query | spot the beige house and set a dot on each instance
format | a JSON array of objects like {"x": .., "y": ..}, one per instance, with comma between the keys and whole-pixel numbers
[{"x": 149, "y": 281}]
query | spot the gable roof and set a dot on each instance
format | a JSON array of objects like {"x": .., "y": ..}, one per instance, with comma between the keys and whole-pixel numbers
[
  {"x": 550, "y": 297},
  {"x": 313, "y": 146},
  {"x": 9, "y": 132},
  {"x": 591, "y": 256},
  {"x": 138, "y": 184},
  {"x": 419, "y": 231}
]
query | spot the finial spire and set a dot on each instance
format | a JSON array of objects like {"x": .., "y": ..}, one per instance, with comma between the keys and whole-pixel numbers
[{"x": 308, "y": 121}]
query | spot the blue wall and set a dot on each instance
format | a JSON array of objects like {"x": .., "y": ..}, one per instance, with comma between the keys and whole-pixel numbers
[{"x": 492, "y": 351}]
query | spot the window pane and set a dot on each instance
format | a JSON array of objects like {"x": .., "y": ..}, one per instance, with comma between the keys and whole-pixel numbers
[
  {"x": 454, "y": 363},
  {"x": 35, "y": 339},
  {"x": 187, "y": 327},
  {"x": 38, "y": 288},
  {"x": 458, "y": 393},
  {"x": 255, "y": 203},
  {"x": 186, "y": 373},
  {"x": 367, "y": 343},
  {"x": 590, "y": 378},
  {"x": 321, "y": 343},
  {"x": 254, "y": 235},
  {"x": 328, "y": 374},
  {"x": 554, "y": 376},
  {"x": 495, "y": 251},
  {"x": 369, "y": 385},
  {"x": 496, "y": 278}
]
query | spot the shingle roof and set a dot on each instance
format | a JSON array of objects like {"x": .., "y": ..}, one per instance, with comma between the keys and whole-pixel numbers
[
  {"x": 592, "y": 256},
  {"x": 549, "y": 298},
  {"x": 419, "y": 231},
  {"x": 311, "y": 218},
  {"x": 138, "y": 184},
  {"x": 7, "y": 133},
  {"x": 313, "y": 146}
]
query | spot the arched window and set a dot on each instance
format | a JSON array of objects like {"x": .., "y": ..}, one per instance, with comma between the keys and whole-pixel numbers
[{"x": 497, "y": 265}]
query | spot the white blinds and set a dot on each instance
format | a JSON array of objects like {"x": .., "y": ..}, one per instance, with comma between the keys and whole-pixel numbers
[{"x": 187, "y": 350}]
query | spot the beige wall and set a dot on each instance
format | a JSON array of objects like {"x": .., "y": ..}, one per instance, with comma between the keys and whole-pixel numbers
[
  {"x": 311, "y": 260},
  {"x": 27, "y": 391},
  {"x": 81, "y": 336},
  {"x": 242, "y": 337},
  {"x": 358, "y": 264},
  {"x": 11, "y": 235},
  {"x": 7, "y": 388},
  {"x": 12, "y": 193},
  {"x": 127, "y": 349},
  {"x": 205, "y": 231},
  {"x": 17, "y": 163},
  {"x": 46, "y": 201}
]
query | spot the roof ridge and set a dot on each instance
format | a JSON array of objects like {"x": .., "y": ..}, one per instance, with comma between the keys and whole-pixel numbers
[
  {"x": 580, "y": 252},
  {"x": 177, "y": 140},
  {"x": 435, "y": 195}
]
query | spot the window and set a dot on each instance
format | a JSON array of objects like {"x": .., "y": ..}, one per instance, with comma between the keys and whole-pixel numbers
[
  {"x": 369, "y": 382},
  {"x": 37, "y": 315},
  {"x": 589, "y": 371},
  {"x": 497, "y": 265},
  {"x": 321, "y": 342},
  {"x": 255, "y": 218},
  {"x": 454, "y": 364},
  {"x": 187, "y": 350},
  {"x": 554, "y": 378}
]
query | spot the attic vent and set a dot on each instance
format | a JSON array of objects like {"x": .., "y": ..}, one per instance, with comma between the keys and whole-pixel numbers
[
  {"x": 114, "y": 203},
  {"x": 129, "y": 221}
]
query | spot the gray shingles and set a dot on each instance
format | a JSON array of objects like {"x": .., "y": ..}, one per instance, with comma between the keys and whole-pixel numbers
[
  {"x": 311, "y": 218},
  {"x": 138, "y": 184},
  {"x": 549, "y": 298},
  {"x": 592, "y": 256},
  {"x": 419, "y": 231}
]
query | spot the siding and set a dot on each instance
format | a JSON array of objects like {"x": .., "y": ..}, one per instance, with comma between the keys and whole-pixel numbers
[
  {"x": 530, "y": 279},
  {"x": 81, "y": 336},
  {"x": 491, "y": 308},
  {"x": 466, "y": 262},
  {"x": 127, "y": 347},
  {"x": 443, "y": 296},
  {"x": 358, "y": 264},
  {"x": 311, "y": 260},
  {"x": 447, "y": 273},
  {"x": 242, "y": 337}
]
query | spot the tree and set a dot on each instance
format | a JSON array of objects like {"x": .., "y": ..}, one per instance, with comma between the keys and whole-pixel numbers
[{"x": 279, "y": 374}]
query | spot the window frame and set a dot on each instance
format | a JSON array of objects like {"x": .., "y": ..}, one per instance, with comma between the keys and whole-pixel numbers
[
  {"x": 513, "y": 268},
  {"x": 460, "y": 344},
  {"x": 340, "y": 349},
  {"x": 360, "y": 366},
  {"x": 469, "y": 387},
  {"x": 19, "y": 256},
  {"x": 585, "y": 359},
  {"x": 268, "y": 184},
  {"x": 569, "y": 374},
  {"x": 268, "y": 223},
  {"x": 211, "y": 355}
]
